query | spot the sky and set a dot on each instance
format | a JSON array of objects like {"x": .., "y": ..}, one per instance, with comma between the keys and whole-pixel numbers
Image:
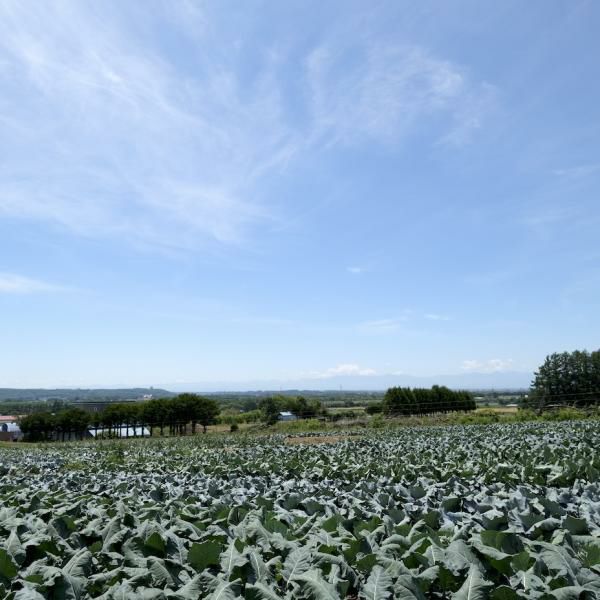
[{"x": 194, "y": 192}]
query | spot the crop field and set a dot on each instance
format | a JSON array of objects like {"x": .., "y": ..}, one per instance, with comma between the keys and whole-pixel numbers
[{"x": 466, "y": 512}]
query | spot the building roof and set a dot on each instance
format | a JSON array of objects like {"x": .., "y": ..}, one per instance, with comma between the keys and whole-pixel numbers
[
  {"x": 286, "y": 413},
  {"x": 4, "y": 418}
]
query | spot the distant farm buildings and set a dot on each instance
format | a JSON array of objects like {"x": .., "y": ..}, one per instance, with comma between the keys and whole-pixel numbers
[
  {"x": 9, "y": 429},
  {"x": 287, "y": 416}
]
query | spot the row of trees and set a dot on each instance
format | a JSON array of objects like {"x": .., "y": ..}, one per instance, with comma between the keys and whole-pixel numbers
[
  {"x": 567, "y": 378},
  {"x": 167, "y": 414},
  {"x": 422, "y": 401}
]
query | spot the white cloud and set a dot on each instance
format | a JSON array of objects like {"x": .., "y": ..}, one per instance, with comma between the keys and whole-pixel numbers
[
  {"x": 578, "y": 171},
  {"x": 356, "y": 270},
  {"x": 17, "y": 284},
  {"x": 494, "y": 365},
  {"x": 385, "y": 89},
  {"x": 436, "y": 317},
  {"x": 383, "y": 326},
  {"x": 345, "y": 369},
  {"x": 115, "y": 140},
  {"x": 109, "y": 135}
]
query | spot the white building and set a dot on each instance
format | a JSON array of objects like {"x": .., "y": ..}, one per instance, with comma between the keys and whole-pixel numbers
[
  {"x": 10, "y": 431},
  {"x": 287, "y": 416}
]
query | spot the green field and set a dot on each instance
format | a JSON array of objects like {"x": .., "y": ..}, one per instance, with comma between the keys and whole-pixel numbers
[{"x": 466, "y": 512}]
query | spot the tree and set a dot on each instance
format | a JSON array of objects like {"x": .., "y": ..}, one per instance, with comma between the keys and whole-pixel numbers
[
  {"x": 37, "y": 426},
  {"x": 269, "y": 408},
  {"x": 193, "y": 408},
  {"x": 567, "y": 378},
  {"x": 152, "y": 414},
  {"x": 420, "y": 401},
  {"x": 206, "y": 412},
  {"x": 72, "y": 421}
]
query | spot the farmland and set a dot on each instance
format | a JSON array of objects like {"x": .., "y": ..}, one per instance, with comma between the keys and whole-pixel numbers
[{"x": 466, "y": 512}]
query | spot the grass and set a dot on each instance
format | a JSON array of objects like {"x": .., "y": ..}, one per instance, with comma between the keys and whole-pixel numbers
[{"x": 338, "y": 430}]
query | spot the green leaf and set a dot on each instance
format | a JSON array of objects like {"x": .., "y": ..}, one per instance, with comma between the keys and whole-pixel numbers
[
  {"x": 296, "y": 563},
  {"x": 27, "y": 593},
  {"x": 231, "y": 558},
  {"x": 204, "y": 554},
  {"x": 15, "y": 548},
  {"x": 259, "y": 569},
  {"x": 156, "y": 544},
  {"x": 576, "y": 526},
  {"x": 160, "y": 574},
  {"x": 317, "y": 586},
  {"x": 262, "y": 591},
  {"x": 224, "y": 591},
  {"x": 504, "y": 593},
  {"x": 574, "y": 592},
  {"x": 475, "y": 586},
  {"x": 8, "y": 569},
  {"x": 559, "y": 562},
  {"x": 378, "y": 585},
  {"x": 190, "y": 591},
  {"x": 80, "y": 564}
]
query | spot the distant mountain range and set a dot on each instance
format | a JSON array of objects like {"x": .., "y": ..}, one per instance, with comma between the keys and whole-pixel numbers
[
  {"x": 464, "y": 381},
  {"x": 79, "y": 395}
]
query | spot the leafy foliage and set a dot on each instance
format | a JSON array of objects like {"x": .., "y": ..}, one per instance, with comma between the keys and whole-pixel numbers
[
  {"x": 421, "y": 401},
  {"x": 499, "y": 511},
  {"x": 571, "y": 378}
]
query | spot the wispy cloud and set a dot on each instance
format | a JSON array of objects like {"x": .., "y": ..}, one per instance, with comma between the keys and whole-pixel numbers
[
  {"x": 436, "y": 317},
  {"x": 386, "y": 89},
  {"x": 18, "y": 284},
  {"x": 578, "y": 171},
  {"x": 383, "y": 326},
  {"x": 344, "y": 369},
  {"x": 395, "y": 324},
  {"x": 494, "y": 365},
  {"x": 110, "y": 135},
  {"x": 356, "y": 270},
  {"x": 116, "y": 141}
]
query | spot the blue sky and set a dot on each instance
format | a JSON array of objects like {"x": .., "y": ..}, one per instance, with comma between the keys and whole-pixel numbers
[{"x": 224, "y": 191}]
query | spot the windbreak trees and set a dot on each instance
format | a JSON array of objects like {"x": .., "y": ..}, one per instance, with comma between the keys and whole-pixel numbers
[
  {"x": 38, "y": 426},
  {"x": 399, "y": 401},
  {"x": 196, "y": 409},
  {"x": 567, "y": 378}
]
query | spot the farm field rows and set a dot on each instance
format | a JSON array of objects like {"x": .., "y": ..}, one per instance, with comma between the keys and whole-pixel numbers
[{"x": 465, "y": 512}]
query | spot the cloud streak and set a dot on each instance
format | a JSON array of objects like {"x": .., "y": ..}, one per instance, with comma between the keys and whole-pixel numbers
[
  {"x": 494, "y": 365},
  {"x": 345, "y": 369},
  {"x": 388, "y": 89},
  {"x": 111, "y": 136},
  {"x": 18, "y": 284}
]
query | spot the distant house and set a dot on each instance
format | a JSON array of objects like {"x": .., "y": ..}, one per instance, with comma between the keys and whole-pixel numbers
[
  {"x": 10, "y": 431},
  {"x": 8, "y": 418},
  {"x": 287, "y": 416}
]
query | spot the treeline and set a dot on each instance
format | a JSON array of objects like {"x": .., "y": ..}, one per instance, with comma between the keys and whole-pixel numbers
[
  {"x": 567, "y": 378},
  {"x": 165, "y": 414},
  {"x": 249, "y": 401},
  {"x": 400, "y": 401},
  {"x": 79, "y": 395}
]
